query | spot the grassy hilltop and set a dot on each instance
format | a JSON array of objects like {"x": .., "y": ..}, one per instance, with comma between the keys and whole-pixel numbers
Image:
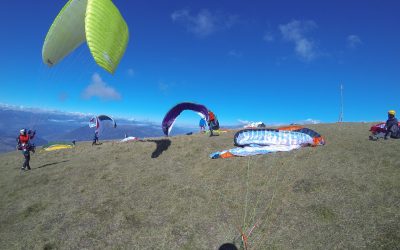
[{"x": 168, "y": 194}]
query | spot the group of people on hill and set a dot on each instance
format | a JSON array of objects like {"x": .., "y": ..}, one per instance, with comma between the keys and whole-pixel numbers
[{"x": 26, "y": 147}]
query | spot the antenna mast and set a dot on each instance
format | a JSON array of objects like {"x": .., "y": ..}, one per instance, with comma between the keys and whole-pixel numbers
[{"x": 341, "y": 104}]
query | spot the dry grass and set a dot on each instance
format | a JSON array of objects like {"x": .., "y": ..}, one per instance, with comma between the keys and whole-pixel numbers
[{"x": 132, "y": 196}]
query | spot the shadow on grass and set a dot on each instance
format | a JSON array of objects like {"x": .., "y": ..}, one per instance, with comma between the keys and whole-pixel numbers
[
  {"x": 228, "y": 246},
  {"x": 33, "y": 209},
  {"x": 324, "y": 214},
  {"x": 49, "y": 246},
  {"x": 51, "y": 164},
  {"x": 162, "y": 145},
  {"x": 305, "y": 186}
]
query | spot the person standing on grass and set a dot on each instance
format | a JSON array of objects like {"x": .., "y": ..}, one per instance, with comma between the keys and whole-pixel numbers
[
  {"x": 211, "y": 122},
  {"x": 25, "y": 146},
  {"x": 95, "y": 138},
  {"x": 202, "y": 125}
]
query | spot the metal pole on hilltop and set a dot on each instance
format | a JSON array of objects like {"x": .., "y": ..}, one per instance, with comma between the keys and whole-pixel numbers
[{"x": 341, "y": 104}]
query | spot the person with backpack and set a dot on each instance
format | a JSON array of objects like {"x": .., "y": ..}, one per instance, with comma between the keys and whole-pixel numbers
[
  {"x": 25, "y": 146},
  {"x": 392, "y": 126},
  {"x": 213, "y": 123}
]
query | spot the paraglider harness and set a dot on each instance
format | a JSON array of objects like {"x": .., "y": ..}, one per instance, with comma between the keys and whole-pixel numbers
[
  {"x": 213, "y": 123},
  {"x": 30, "y": 147}
]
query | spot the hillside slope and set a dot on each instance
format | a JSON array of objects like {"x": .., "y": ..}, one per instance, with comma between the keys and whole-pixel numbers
[
  {"x": 52, "y": 125},
  {"x": 167, "y": 194}
]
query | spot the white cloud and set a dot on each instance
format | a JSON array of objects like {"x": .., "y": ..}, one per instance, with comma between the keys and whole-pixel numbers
[
  {"x": 98, "y": 88},
  {"x": 62, "y": 121},
  {"x": 204, "y": 23},
  {"x": 295, "y": 32},
  {"x": 311, "y": 121},
  {"x": 40, "y": 110},
  {"x": 163, "y": 87},
  {"x": 234, "y": 53},
  {"x": 301, "y": 122},
  {"x": 353, "y": 41},
  {"x": 268, "y": 37},
  {"x": 308, "y": 121},
  {"x": 244, "y": 121}
]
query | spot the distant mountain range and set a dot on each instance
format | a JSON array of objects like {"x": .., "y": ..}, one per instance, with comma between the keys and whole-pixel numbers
[{"x": 63, "y": 126}]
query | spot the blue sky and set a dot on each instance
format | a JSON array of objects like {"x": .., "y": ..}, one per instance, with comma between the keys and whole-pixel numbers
[{"x": 276, "y": 62}]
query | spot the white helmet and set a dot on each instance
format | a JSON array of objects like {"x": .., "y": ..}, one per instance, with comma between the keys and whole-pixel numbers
[{"x": 22, "y": 131}]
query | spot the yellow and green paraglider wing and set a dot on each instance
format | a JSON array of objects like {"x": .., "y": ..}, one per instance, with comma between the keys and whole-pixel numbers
[
  {"x": 66, "y": 33},
  {"x": 57, "y": 146},
  {"x": 107, "y": 33}
]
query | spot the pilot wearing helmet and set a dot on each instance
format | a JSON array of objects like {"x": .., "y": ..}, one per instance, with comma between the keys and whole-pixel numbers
[
  {"x": 392, "y": 126},
  {"x": 25, "y": 146}
]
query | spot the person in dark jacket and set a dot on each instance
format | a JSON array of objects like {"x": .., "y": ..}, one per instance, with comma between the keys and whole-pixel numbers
[
  {"x": 392, "y": 126},
  {"x": 213, "y": 123},
  {"x": 95, "y": 138},
  {"x": 25, "y": 146}
]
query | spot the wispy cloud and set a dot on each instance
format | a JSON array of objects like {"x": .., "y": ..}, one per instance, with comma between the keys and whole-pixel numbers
[
  {"x": 98, "y": 88},
  {"x": 62, "y": 121},
  {"x": 353, "y": 41},
  {"x": 253, "y": 123},
  {"x": 244, "y": 121},
  {"x": 235, "y": 53},
  {"x": 163, "y": 87},
  {"x": 130, "y": 72},
  {"x": 203, "y": 23},
  {"x": 63, "y": 96},
  {"x": 301, "y": 122},
  {"x": 308, "y": 121},
  {"x": 250, "y": 123},
  {"x": 4, "y": 106},
  {"x": 295, "y": 31},
  {"x": 268, "y": 37}
]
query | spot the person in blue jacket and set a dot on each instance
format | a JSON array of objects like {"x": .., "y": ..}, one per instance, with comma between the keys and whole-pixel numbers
[{"x": 202, "y": 125}]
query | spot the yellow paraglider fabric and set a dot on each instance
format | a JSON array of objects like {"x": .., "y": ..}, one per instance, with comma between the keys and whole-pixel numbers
[
  {"x": 57, "y": 147},
  {"x": 106, "y": 33},
  {"x": 96, "y": 21},
  {"x": 66, "y": 33}
]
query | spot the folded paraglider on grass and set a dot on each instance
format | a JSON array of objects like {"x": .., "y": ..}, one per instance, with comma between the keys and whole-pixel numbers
[
  {"x": 264, "y": 141},
  {"x": 57, "y": 146},
  {"x": 130, "y": 139}
]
